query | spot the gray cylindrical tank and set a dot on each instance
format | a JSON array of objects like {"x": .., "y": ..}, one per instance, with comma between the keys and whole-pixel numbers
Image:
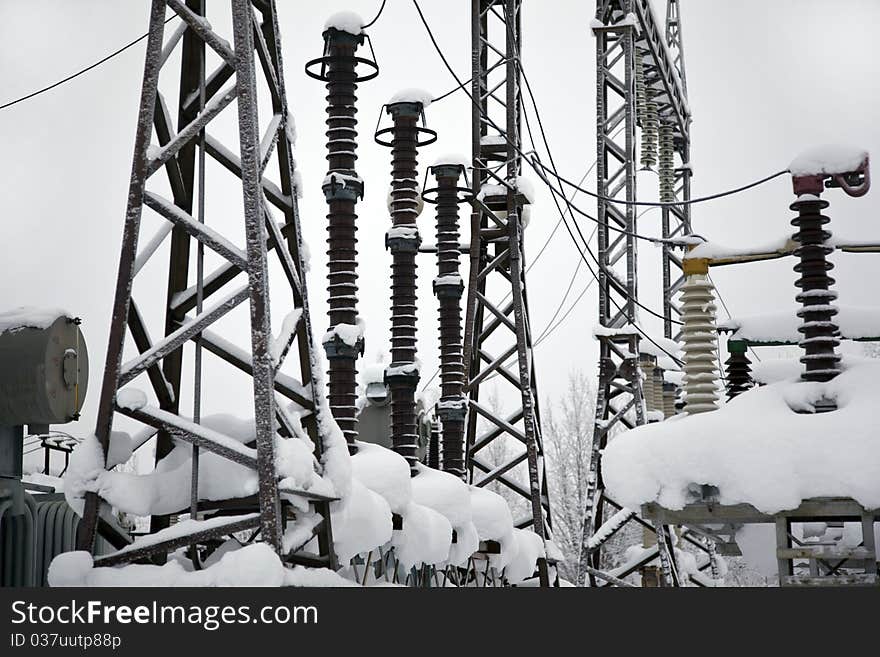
[{"x": 44, "y": 368}]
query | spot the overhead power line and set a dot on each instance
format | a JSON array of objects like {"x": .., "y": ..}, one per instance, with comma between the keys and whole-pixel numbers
[
  {"x": 453, "y": 90},
  {"x": 80, "y": 72},
  {"x": 659, "y": 204},
  {"x": 376, "y": 17}
]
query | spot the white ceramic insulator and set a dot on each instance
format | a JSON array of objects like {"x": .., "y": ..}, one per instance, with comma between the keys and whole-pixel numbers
[
  {"x": 647, "y": 367},
  {"x": 701, "y": 374},
  {"x": 669, "y": 403},
  {"x": 658, "y": 389},
  {"x": 666, "y": 164}
]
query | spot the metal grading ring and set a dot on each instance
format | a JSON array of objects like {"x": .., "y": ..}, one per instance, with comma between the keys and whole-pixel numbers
[
  {"x": 329, "y": 59},
  {"x": 466, "y": 192},
  {"x": 432, "y": 136},
  {"x": 420, "y": 129},
  {"x": 466, "y": 195}
]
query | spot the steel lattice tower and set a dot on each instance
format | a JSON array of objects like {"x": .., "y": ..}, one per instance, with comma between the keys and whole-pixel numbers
[
  {"x": 620, "y": 402},
  {"x": 497, "y": 317},
  {"x": 254, "y": 63},
  {"x": 676, "y": 219}
]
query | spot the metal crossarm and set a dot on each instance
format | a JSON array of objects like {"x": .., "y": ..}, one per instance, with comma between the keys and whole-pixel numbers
[{"x": 252, "y": 61}]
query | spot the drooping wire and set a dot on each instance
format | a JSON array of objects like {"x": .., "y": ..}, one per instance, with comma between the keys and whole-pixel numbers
[
  {"x": 376, "y": 17},
  {"x": 80, "y": 72},
  {"x": 692, "y": 201},
  {"x": 548, "y": 330},
  {"x": 452, "y": 91}
]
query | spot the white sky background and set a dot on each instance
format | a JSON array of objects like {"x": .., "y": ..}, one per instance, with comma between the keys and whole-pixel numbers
[{"x": 766, "y": 79}]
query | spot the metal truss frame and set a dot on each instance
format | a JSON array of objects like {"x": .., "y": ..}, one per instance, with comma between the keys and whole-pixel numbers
[
  {"x": 254, "y": 58},
  {"x": 676, "y": 219},
  {"x": 496, "y": 264},
  {"x": 620, "y": 401}
]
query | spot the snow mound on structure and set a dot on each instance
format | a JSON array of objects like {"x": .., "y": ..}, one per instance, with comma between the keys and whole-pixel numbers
[
  {"x": 828, "y": 160},
  {"x": 449, "y": 496},
  {"x": 494, "y": 522},
  {"x": 302, "y": 576},
  {"x": 777, "y": 369},
  {"x": 362, "y": 524},
  {"x": 854, "y": 322},
  {"x": 30, "y": 317},
  {"x": 716, "y": 251},
  {"x": 467, "y": 541},
  {"x": 455, "y": 159},
  {"x": 167, "y": 488},
  {"x": 443, "y": 492},
  {"x": 530, "y": 548},
  {"x": 131, "y": 398},
  {"x": 345, "y": 21},
  {"x": 757, "y": 449},
  {"x": 384, "y": 472},
  {"x": 490, "y": 514},
  {"x": 412, "y": 95},
  {"x": 251, "y": 565},
  {"x": 425, "y": 538},
  {"x": 349, "y": 334}
]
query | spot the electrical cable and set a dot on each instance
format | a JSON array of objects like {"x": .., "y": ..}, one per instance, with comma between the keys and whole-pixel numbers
[
  {"x": 451, "y": 91},
  {"x": 548, "y": 330},
  {"x": 378, "y": 14},
  {"x": 80, "y": 72},
  {"x": 659, "y": 204}
]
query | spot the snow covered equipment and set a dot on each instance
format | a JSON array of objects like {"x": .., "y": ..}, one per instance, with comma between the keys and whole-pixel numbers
[
  {"x": 448, "y": 288},
  {"x": 344, "y": 341},
  {"x": 403, "y": 240}
]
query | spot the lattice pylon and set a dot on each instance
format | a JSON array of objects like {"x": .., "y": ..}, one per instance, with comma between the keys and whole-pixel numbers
[
  {"x": 497, "y": 317},
  {"x": 620, "y": 403},
  {"x": 255, "y": 38}
]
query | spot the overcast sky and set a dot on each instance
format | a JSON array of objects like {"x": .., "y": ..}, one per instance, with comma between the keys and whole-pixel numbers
[{"x": 766, "y": 80}]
